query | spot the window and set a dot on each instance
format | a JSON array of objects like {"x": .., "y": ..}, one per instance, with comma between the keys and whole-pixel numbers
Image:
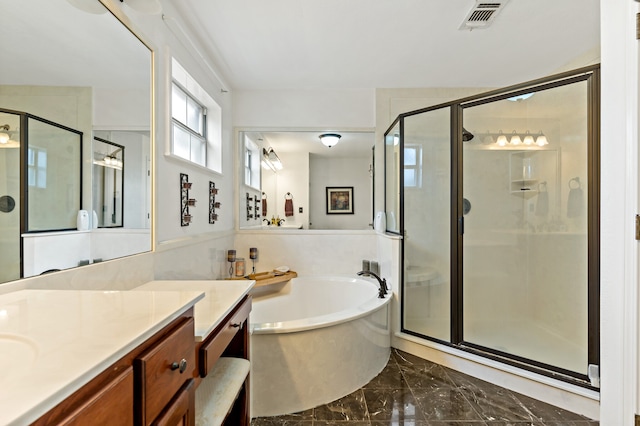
[
  {"x": 37, "y": 167},
  {"x": 251, "y": 162},
  {"x": 413, "y": 166},
  {"x": 188, "y": 133},
  {"x": 196, "y": 122}
]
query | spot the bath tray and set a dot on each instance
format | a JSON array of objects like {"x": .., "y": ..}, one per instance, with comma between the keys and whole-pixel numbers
[{"x": 269, "y": 277}]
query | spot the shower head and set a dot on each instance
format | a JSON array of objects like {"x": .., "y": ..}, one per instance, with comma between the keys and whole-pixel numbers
[{"x": 466, "y": 135}]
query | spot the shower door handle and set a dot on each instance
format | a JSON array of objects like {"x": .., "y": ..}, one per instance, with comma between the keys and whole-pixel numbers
[{"x": 461, "y": 225}]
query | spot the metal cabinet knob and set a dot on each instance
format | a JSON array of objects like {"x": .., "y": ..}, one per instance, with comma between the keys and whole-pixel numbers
[{"x": 181, "y": 366}]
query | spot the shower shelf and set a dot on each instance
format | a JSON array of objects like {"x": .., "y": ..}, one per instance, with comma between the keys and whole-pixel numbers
[{"x": 526, "y": 187}]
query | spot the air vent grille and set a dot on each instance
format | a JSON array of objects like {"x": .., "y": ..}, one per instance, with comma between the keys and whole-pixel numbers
[{"x": 482, "y": 14}]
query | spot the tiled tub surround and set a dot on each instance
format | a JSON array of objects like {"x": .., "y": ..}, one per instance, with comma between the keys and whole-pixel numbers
[
  {"x": 411, "y": 391},
  {"x": 317, "y": 339}
]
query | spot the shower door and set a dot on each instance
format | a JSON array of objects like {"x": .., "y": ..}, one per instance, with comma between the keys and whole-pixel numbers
[
  {"x": 426, "y": 185},
  {"x": 525, "y": 183}
]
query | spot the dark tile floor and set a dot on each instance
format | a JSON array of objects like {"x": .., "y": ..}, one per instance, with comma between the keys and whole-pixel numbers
[{"x": 411, "y": 391}]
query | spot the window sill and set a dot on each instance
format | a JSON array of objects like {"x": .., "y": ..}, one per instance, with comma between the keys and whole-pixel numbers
[{"x": 192, "y": 164}]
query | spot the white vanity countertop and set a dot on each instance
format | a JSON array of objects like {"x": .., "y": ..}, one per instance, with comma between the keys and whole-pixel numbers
[
  {"x": 52, "y": 342},
  {"x": 220, "y": 298}
]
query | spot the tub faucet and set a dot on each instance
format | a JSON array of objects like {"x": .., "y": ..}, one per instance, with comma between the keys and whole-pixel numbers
[{"x": 382, "y": 281}]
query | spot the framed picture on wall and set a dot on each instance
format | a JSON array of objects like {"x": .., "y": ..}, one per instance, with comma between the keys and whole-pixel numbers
[{"x": 340, "y": 200}]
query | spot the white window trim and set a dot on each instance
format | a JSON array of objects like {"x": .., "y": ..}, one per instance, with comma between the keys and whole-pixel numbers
[{"x": 212, "y": 123}]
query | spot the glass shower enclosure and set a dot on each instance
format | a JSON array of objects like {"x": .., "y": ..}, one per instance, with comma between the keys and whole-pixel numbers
[
  {"x": 497, "y": 201},
  {"x": 40, "y": 183}
]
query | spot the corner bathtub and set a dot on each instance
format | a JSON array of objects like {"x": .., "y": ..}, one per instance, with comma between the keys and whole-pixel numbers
[{"x": 315, "y": 341}]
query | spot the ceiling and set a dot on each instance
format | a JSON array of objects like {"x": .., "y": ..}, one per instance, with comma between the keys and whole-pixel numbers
[{"x": 360, "y": 44}]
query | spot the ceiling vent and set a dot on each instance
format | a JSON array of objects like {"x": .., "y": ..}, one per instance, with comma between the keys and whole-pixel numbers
[{"x": 482, "y": 14}]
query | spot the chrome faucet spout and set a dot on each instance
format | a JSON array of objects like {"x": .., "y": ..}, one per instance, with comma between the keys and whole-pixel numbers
[{"x": 381, "y": 281}]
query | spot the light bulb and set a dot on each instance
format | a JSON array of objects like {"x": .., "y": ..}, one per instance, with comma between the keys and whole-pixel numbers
[
  {"x": 502, "y": 140},
  {"x": 528, "y": 139},
  {"x": 4, "y": 138},
  {"x": 515, "y": 139},
  {"x": 541, "y": 140}
]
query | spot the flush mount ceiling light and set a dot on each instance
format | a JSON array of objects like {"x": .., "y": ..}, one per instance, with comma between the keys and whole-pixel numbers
[
  {"x": 149, "y": 7},
  {"x": 90, "y": 6},
  {"x": 329, "y": 139},
  {"x": 520, "y": 97}
]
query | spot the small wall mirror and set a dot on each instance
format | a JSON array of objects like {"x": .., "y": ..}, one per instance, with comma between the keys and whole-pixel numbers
[
  {"x": 92, "y": 77},
  {"x": 299, "y": 177}
]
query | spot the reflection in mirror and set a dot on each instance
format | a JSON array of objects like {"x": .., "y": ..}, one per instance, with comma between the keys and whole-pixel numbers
[
  {"x": 53, "y": 176},
  {"x": 108, "y": 167},
  {"x": 92, "y": 73},
  {"x": 295, "y": 195}
]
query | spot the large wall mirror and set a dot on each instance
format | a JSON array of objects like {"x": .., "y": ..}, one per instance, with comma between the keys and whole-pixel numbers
[
  {"x": 290, "y": 180},
  {"x": 81, "y": 69}
]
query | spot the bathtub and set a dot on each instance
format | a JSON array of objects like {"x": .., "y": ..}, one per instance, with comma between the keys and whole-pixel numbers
[{"x": 314, "y": 341}]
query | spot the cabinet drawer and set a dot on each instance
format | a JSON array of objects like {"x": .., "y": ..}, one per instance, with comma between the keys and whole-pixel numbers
[
  {"x": 111, "y": 406},
  {"x": 217, "y": 342},
  {"x": 163, "y": 369}
]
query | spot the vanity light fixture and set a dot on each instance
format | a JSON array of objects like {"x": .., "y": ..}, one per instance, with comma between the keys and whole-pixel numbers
[
  {"x": 526, "y": 139},
  {"x": 330, "y": 139},
  {"x": 4, "y": 135},
  {"x": 271, "y": 160}
]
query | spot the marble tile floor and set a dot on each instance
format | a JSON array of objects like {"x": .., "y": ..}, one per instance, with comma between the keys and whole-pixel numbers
[{"x": 411, "y": 391}]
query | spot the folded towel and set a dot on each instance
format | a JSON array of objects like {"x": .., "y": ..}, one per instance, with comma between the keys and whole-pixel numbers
[
  {"x": 264, "y": 207},
  {"x": 288, "y": 207}
]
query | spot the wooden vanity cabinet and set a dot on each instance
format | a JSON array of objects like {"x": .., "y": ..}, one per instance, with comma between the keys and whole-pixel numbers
[
  {"x": 144, "y": 387},
  {"x": 230, "y": 339}
]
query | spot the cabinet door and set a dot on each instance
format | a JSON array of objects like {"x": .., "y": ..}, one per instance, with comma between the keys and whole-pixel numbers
[
  {"x": 110, "y": 407},
  {"x": 181, "y": 411}
]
